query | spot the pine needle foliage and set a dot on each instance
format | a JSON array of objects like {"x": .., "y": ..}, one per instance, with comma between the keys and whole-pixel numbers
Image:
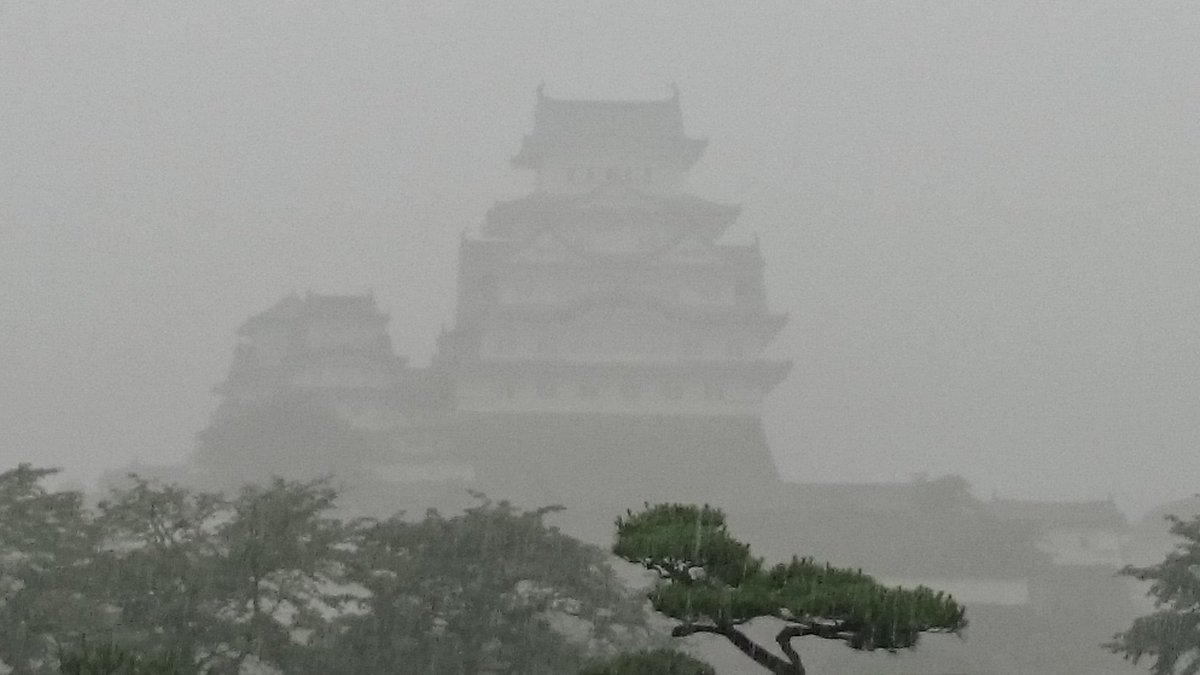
[{"x": 710, "y": 582}]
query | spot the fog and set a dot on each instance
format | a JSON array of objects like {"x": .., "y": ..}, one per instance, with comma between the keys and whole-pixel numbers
[{"x": 981, "y": 218}]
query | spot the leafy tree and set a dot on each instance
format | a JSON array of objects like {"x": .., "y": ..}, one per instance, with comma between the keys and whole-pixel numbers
[
  {"x": 160, "y": 565},
  {"x": 649, "y": 662},
  {"x": 47, "y": 578},
  {"x": 281, "y": 568},
  {"x": 1171, "y": 634},
  {"x": 215, "y": 582},
  {"x": 493, "y": 589},
  {"x": 710, "y": 583},
  {"x": 212, "y": 583}
]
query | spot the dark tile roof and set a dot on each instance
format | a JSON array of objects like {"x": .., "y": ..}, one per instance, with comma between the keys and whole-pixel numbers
[
  {"x": 549, "y": 208},
  {"x": 744, "y": 315},
  {"x": 1059, "y": 514},
  {"x": 919, "y": 527},
  {"x": 294, "y": 308}
]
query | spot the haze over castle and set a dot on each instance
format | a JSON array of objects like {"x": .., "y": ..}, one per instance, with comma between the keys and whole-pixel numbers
[
  {"x": 983, "y": 214},
  {"x": 608, "y": 349},
  {"x": 603, "y": 299},
  {"x": 980, "y": 217}
]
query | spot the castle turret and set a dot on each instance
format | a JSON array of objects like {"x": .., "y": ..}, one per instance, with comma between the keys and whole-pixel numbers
[{"x": 333, "y": 348}]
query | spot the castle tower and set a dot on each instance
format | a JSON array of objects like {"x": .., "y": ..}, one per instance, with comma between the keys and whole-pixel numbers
[
  {"x": 331, "y": 347},
  {"x": 314, "y": 353},
  {"x": 605, "y": 341}
]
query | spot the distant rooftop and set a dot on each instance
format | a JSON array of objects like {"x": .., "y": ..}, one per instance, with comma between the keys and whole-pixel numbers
[
  {"x": 917, "y": 528},
  {"x": 953, "y": 491},
  {"x": 1060, "y": 514},
  {"x": 569, "y": 126},
  {"x": 547, "y": 209},
  {"x": 659, "y": 118},
  {"x": 316, "y": 307}
]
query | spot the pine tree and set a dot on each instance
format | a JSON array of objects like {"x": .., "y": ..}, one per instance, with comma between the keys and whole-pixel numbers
[{"x": 710, "y": 583}]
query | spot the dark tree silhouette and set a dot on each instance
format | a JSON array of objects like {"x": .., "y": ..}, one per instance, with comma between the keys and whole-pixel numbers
[
  {"x": 47, "y": 550},
  {"x": 269, "y": 577},
  {"x": 1171, "y": 634},
  {"x": 489, "y": 590},
  {"x": 214, "y": 581},
  {"x": 710, "y": 583}
]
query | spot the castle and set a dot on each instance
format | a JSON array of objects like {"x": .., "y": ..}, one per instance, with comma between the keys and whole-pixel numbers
[{"x": 608, "y": 349}]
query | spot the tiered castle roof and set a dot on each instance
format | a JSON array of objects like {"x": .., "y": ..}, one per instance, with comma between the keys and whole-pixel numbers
[
  {"x": 572, "y": 128},
  {"x": 609, "y": 203}
]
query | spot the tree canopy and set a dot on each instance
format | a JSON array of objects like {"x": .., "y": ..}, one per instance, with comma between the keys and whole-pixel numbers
[
  {"x": 490, "y": 589},
  {"x": 710, "y": 583},
  {"x": 1171, "y": 634},
  {"x": 48, "y": 543},
  {"x": 270, "y": 575}
]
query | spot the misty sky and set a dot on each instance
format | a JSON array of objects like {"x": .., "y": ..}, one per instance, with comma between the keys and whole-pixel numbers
[{"x": 981, "y": 217}]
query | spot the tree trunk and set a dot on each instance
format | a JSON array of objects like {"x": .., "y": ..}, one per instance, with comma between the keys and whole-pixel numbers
[{"x": 756, "y": 652}]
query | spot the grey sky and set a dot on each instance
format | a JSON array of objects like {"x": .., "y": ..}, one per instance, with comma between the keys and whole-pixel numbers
[{"x": 982, "y": 217}]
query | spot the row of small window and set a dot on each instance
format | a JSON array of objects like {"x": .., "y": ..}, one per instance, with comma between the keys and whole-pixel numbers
[
  {"x": 612, "y": 174},
  {"x": 632, "y": 390},
  {"x": 734, "y": 349}
]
